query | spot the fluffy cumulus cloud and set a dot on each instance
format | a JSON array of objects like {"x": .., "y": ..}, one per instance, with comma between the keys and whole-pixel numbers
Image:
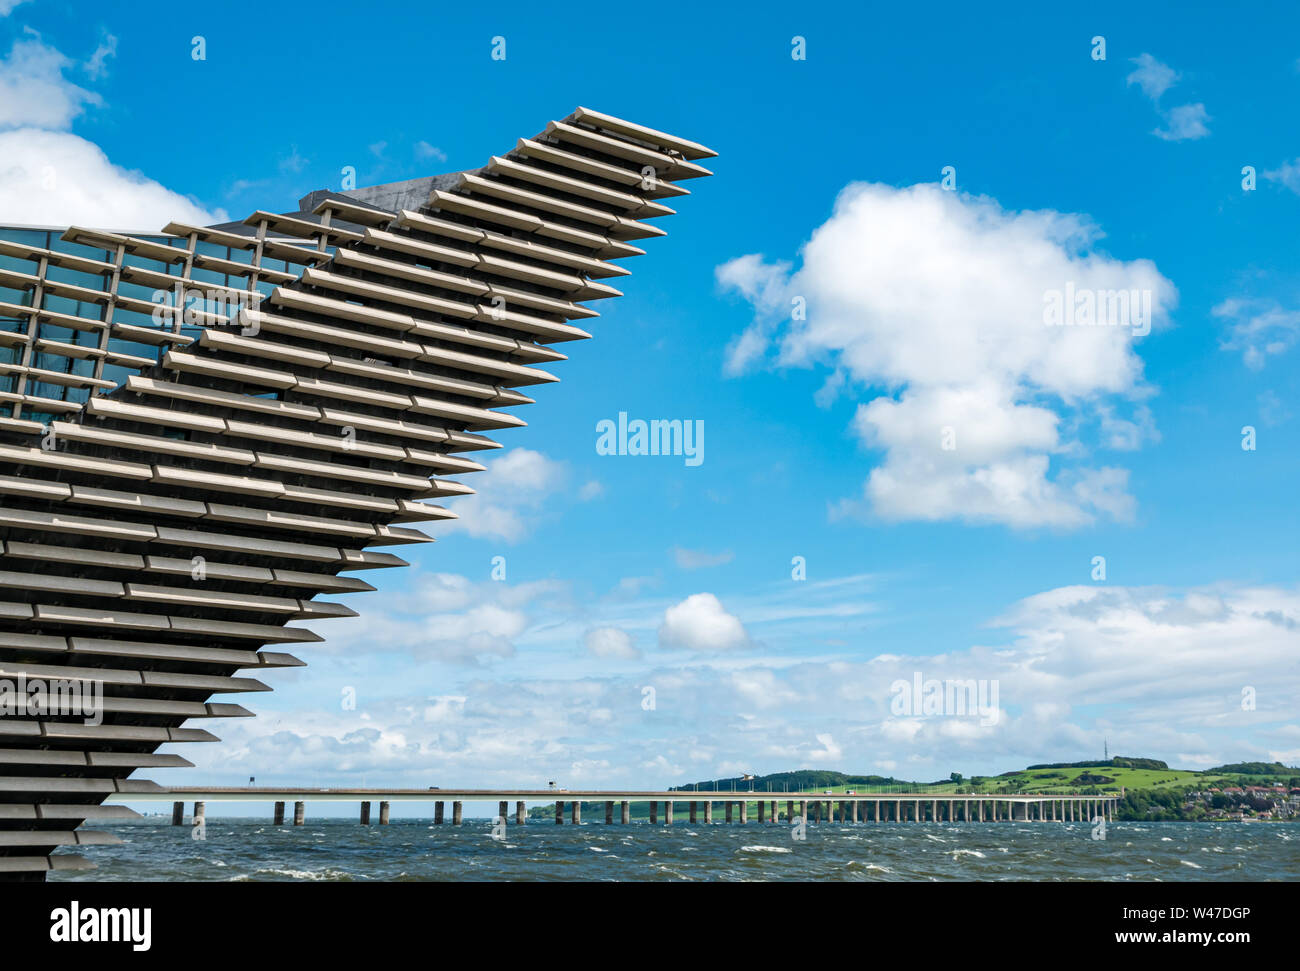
[
  {"x": 512, "y": 494},
  {"x": 978, "y": 336},
  {"x": 700, "y": 623},
  {"x": 50, "y": 176},
  {"x": 1195, "y": 676}
]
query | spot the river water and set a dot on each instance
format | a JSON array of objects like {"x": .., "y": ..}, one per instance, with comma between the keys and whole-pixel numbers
[{"x": 410, "y": 849}]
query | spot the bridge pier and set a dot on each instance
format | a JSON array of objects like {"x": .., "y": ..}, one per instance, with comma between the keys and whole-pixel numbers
[
  {"x": 503, "y": 807},
  {"x": 559, "y": 812},
  {"x": 789, "y": 810},
  {"x": 521, "y": 812},
  {"x": 774, "y": 810},
  {"x": 744, "y": 812},
  {"x": 457, "y": 809},
  {"x": 383, "y": 813},
  {"x": 668, "y": 812},
  {"x": 729, "y": 805},
  {"x": 200, "y": 812},
  {"x": 575, "y": 812},
  {"x": 694, "y": 811},
  {"x": 299, "y": 813},
  {"x": 178, "y": 813},
  {"x": 437, "y": 813},
  {"x": 279, "y": 814},
  {"x": 654, "y": 812},
  {"x": 762, "y": 810},
  {"x": 803, "y": 812},
  {"x": 365, "y": 814},
  {"x": 708, "y": 814},
  {"x": 626, "y": 809},
  {"x": 609, "y": 812}
]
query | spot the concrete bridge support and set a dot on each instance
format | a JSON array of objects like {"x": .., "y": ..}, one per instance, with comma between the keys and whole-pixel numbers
[
  {"x": 503, "y": 811},
  {"x": 279, "y": 814},
  {"x": 803, "y": 811},
  {"x": 559, "y": 812},
  {"x": 437, "y": 813},
  {"x": 521, "y": 812},
  {"x": 789, "y": 810},
  {"x": 774, "y": 810},
  {"x": 200, "y": 811},
  {"x": 762, "y": 811},
  {"x": 708, "y": 814},
  {"x": 575, "y": 812},
  {"x": 744, "y": 812},
  {"x": 625, "y": 809},
  {"x": 668, "y": 812},
  {"x": 457, "y": 813},
  {"x": 609, "y": 812},
  {"x": 365, "y": 814},
  {"x": 695, "y": 812},
  {"x": 729, "y": 810},
  {"x": 178, "y": 813},
  {"x": 654, "y": 812},
  {"x": 299, "y": 813}
]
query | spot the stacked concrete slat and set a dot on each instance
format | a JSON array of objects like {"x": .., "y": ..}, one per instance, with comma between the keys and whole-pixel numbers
[{"x": 157, "y": 536}]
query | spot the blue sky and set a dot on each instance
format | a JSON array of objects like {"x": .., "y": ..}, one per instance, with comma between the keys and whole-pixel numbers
[{"x": 626, "y": 572}]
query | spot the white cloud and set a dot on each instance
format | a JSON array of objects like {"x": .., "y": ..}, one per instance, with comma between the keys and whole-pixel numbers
[
  {"x": 940, "y": 299},
  {"x": 511, "y": 495},
  {"x": 610, "y": 642},
  {"x": 444, "y": 617},
  {"x": 1259, "y": 329},
  {"x": 97, "y": 65},
  {"x": 49, "y": 176},
  {"x": 423, "y": 150},
  {"x": 1182, "y": 123},
  {"x": 699, "y": 623},
  {"x": 1153, "y": 77},
  {"x": 1157, "y": 672},
  {"x": 33, "y": 90},
  {"x": 7, "y": 6},
  {"x": 695, "y": 559},
  {"x": 1288, "y": 174},
  {"x": 591, "y": 490},
  {"x": 58, "y": 179}
]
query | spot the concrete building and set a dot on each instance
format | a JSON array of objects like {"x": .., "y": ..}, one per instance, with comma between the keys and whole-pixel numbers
[{"x": 205, "y": 432}]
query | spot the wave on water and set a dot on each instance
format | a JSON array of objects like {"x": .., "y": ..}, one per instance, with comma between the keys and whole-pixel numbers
[
  {"x": 765, "y": 849},
  {"x": 1194, "y": 866},
  {"x": 326, "y": 874},
  {"x": 956, "y": 853}
]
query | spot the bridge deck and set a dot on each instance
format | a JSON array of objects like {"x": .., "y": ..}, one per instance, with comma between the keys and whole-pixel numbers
[{"x": 306, "y": 794}]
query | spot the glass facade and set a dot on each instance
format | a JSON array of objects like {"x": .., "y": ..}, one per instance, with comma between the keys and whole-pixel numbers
[{"x": 51, "y": 363}]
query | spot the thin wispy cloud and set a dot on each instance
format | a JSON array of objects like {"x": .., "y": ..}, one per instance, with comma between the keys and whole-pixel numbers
[{"x": 1184, "y": 122}]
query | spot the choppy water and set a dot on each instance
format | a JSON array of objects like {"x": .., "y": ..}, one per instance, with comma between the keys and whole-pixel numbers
[{"x": 237, "y": 849}]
